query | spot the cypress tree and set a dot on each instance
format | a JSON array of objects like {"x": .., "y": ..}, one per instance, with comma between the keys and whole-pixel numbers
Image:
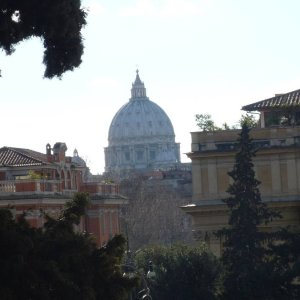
[{"x": 245, "y": 255}]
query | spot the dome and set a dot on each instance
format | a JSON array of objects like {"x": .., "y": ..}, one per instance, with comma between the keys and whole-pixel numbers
[
  {"x": 141, "y": 135},
  {"x": 76, "y": 159},
  {"x": 140, "y": 118}
]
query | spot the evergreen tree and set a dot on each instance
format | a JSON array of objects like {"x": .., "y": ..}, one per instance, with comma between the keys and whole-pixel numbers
[
  {"x": 284, "y": 257},
  {"x": 56, "y": 262},
  {"x": 246, "y": 257},
  {"x": 181, "y": 272},
  {"x": 57, "y": 22}
]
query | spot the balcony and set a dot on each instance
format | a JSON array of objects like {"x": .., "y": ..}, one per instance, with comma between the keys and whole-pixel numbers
[
  {"x": 23, "y": 187},
  {"x": 30, "y": 186}
]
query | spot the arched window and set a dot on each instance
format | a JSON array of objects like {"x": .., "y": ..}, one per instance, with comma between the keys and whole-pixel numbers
[
  {"x": 69, "y": 180},
  {"x": 62, "y": 179}
]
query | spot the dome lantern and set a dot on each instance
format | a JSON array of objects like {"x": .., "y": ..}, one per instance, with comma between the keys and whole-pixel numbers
[{"x": 138, "y": 89}]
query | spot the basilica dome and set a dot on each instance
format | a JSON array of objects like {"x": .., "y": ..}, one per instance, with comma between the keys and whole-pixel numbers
[
  {"x": 141, "y": 135},
  {"x": 140, "y": 118}
]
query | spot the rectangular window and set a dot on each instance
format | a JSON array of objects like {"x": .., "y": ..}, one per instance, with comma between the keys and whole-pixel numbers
[
  {"x": 152, "y": 154},
  {"x": 127, "y": 156},
  {"x": 139, "y": 155}
]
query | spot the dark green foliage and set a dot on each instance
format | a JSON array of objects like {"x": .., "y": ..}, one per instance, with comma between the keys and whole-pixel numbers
[
  {"x": 57, "y": 263},
  {"x": 253, "y": 269},
  {"x": 181, "y": 272},
  {"x": 284, "y": 256},
  {"x": 57, "y": 22}
]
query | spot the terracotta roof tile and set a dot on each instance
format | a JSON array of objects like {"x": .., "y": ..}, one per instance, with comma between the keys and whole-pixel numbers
[
  {"x": 282, "y": 100},
  {"x": 21, "y": 157}
]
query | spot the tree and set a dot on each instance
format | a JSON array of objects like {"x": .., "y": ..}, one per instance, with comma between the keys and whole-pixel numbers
[
  {"x": 57, "y": 22},
  {"x": 248, "y": 120},
  {"x": 284, "y": 256},
  {"x": 205, "y": 123},
  {"x": 181, "y": 272},
  {"x": 252, "y": 268},
  {"x": 55, "y": 262},
  {"x": 153, "y": 214}
]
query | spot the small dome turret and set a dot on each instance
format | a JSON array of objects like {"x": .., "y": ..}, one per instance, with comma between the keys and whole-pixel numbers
[{"x": 76, "y": 159}]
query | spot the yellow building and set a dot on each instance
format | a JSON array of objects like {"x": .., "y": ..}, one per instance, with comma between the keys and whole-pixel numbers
[{"x": 277, "y": 166}]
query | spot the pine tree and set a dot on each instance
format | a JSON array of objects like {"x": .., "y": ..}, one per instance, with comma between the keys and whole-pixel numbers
[{"x": 245, "y": 255}]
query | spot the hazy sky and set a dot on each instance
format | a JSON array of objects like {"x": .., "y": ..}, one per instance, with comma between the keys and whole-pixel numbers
[{"x": 194, "y": 56}]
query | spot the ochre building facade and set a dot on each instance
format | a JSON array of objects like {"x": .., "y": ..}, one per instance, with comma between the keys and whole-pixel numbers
[{"x": 277, "y": 166}]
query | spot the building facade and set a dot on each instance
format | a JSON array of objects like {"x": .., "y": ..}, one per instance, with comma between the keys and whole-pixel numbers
[
  {"x": 277, "y": 166},
  {"x": 141, "y": 135},
  {"x": 32, "y": 183}
]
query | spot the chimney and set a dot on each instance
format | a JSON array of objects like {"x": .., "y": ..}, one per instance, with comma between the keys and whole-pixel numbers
[
  {"x": 48, "y": 153},
  {"x": 59, "y": 152}
]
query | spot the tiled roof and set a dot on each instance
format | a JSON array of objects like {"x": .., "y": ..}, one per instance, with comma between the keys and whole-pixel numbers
[
  {"x": 279, "y": 101},
  {"x": 21, "y": 157}
]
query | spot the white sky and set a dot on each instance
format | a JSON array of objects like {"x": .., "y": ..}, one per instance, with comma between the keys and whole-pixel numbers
[{"x": 194, "y": 56}]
